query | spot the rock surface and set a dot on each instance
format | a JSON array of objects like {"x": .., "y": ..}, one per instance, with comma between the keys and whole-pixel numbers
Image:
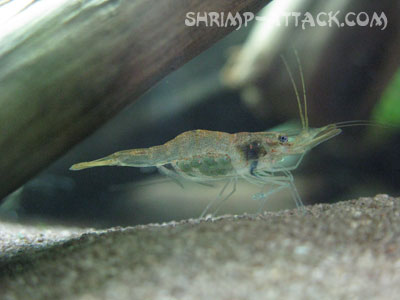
[{"x": 349, "y": 250}]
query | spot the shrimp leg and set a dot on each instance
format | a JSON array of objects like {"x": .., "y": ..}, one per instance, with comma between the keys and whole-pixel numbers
[
  {"x": 291, "y": 168},
  {"x": 282, "y": 182},
  {"x": 227, "y": 196},
  {"x": 265, "y": 196},
  {"x": 218, "y": 199},
  {"x": 295, "y": 192},
  {"x": 171, "y": 174}
]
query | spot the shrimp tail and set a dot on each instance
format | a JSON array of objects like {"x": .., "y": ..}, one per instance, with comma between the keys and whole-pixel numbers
[
  {"x": 105, "y": 161},
  {"x": 129, "y": 158}
]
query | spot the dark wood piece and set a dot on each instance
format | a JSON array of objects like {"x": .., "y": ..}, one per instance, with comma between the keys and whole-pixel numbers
[{"x": 71, "y": 70}]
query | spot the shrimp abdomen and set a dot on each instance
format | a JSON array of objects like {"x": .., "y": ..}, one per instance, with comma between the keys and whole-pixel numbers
[{"x": 185, "y": 145}]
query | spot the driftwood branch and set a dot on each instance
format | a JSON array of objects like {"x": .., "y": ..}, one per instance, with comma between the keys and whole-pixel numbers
[{"x": 75, "y": 65}]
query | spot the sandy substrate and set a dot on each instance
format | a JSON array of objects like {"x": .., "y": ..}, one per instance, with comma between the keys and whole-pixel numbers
[{"x": 350, "y": 250}]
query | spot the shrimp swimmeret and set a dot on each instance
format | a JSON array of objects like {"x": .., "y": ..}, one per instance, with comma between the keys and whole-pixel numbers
[{"x": 257, "y": 157}]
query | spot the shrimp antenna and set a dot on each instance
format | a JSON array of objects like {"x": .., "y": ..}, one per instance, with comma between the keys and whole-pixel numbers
[
  {"x": 295, "y": 90},
  {"x": 304, "y": 87}
]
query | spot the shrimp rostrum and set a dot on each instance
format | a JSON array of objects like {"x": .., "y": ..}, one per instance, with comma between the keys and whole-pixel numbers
[{"x": 204, "y": 156}]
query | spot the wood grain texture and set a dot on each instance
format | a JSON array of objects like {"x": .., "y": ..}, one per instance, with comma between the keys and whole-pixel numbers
[{"x": 68, "y": 70}]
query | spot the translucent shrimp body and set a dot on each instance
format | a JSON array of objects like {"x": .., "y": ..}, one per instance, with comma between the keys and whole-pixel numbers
[
  {"x": 213, "y": 155},
  {"x": 204, "y": 156}
]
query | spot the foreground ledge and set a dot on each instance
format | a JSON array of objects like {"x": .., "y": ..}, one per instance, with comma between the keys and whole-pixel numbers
[{"x": 346, "y": 250}]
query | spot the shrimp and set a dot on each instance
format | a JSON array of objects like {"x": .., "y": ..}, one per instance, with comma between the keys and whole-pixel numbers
[{"x": 204, "y": 156}]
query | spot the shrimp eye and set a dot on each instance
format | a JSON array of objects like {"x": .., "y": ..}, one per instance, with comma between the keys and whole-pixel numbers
[{"x": 283, "y": 138}]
